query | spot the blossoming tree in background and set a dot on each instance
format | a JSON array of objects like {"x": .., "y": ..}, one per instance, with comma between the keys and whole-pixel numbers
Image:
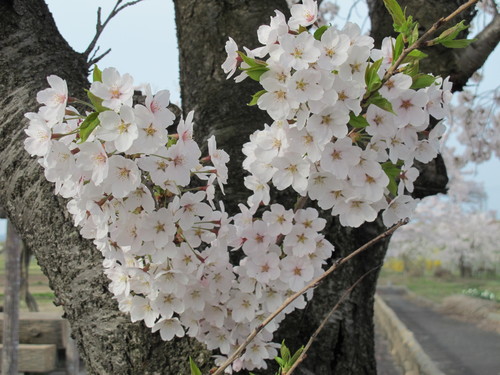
[{"x": 345, "y": 130}]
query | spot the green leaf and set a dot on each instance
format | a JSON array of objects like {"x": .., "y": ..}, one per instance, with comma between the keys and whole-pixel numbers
[
  {"x": 398, "y": 48},
  {"x": 380, "y": 102},
  {"x": 96, "y": 102},
  {"x": 96, "y": 74},
  {"x": 194, "y": 369},
  {"x": 371, "y": 75},
  {"x": 357, "y": 121},
  {"x": 395, "y": 11},
  {"x": 280, "y": 361},
  {"x": 88, "y": 125},
  {"x": 285, "y": 352},
  {"x": 392, "y": 171},
  {"x": 255, "y": 97},
  {"x": 296, "y": 355},
  {"x": 452, "y": 32},
  {"x": 411, "y": 69},
  {"x": 319, "y": 33},
  {"x": 414, "y": 35},
  {"x": 417, "y": 54},
  {"x": 251, "y": 62},
  {"x": 422, "y": 80},
  {"x": 256, "y": 72},
  {"x": 457, "y": 43}
]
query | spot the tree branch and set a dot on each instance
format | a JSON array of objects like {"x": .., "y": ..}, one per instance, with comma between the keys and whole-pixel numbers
[
  {"x": 311, "y": 285},
  {"x": 101, "y": 26},
  {"x": 421, "y": 42},
  {"x": 325, "y": 320},
  {"x": 474, "y": 56}
]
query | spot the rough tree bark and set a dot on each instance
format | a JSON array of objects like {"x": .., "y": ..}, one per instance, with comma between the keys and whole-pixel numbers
[{"x": 30, "y": 49}]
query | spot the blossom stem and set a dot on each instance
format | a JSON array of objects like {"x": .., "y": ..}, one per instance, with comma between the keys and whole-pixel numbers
[
  {"x": 296, "y": 295},
  {"x": 324, "y": 321}
]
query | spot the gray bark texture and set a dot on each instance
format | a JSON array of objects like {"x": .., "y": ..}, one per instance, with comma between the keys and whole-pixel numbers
[{"x": 31, "y": 49}]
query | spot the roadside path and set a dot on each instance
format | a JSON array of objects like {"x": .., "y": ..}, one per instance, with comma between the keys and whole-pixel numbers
[{"x": 457, "y": 348}]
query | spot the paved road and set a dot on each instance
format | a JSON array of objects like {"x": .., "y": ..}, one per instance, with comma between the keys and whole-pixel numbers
[
  {"x": 386, "y": 363},
  {"x": 457, "y": 348}
]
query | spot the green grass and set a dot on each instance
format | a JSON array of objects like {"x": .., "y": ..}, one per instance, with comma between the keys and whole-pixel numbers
[{"x": 436, "y": 289}]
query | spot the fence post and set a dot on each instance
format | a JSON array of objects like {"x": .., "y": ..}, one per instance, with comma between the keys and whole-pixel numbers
[{"x": 11, "y": 301}]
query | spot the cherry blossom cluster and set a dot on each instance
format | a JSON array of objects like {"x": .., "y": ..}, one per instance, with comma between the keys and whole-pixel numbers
[
  {"x": 445, "y": 230},
  {"x": 475, "y": 122},
  {"x": 341, "y": 133},
  {"x": 165, "y": 245}
]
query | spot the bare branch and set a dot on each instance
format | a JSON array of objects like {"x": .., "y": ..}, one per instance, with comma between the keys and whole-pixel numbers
[
  {"x": 94, "y": 60},
  {"x": 474, "y": 56},
  {"x": 311, "y": 285},
  {"x": 100, "y": 26},
  {"x": 325, "y": 320}
]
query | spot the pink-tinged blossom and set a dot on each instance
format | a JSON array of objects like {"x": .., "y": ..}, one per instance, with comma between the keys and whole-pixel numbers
[
  {"x": 327, "y": 189},
  {"x": 349, "y": 94},
  {"x": 300, "y": 241},
  {"x": 157, "y": 105},
  {"x": 55, "y": 98},
  {"x": 39, "y": 136},
  {"x": 141, "y": 309},
  {"x": 339, "y": 157},
  {"x": 276, "y": 101},
  {"x": 257, "y": 238},
  {"x": 181, "y": 162},
  {"x": 119, "y": 128},
  {"x": 158, "y": 227},
  {"x": 304, "y": 14},
  {"x": 298, "y": 51},
  {"x": 230, "y": 65},
  {"x": 292, "y": 170},
  {"x": 332, "y": 121},
  {"x": 260, "y": 191},
  {"x": 219, "y": 159},
  {"x": 406, "y": 179},
  {"x": 269, "y": 34},
  {"x": 384, "y": 53},
  {"x": 381, "y": 122},
  {"x": 279, "y": 220},
  {"x": 400, "y": 208},
  {"x": 354, "y": 211},
  {"x": 303, "y": 85},
  {"x": 334, "y": 48},
  {"x": 355, "y": 65},
  {"x": 296, "y": 272},
  {"x": 395, "y": 85},
  {"x": 169, "y": 328},
  {"x": 93, "y": 157},
  {"x": 115, "y": 90},
  {"x": 151, "y": 135},
  {"x": 409, "y": 107},
  {"x": 123, "y": 176},
  {"x": 263, "y": 268}
]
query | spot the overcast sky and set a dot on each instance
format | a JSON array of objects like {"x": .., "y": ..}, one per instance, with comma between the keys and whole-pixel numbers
[{"x": 143, "y": 42}]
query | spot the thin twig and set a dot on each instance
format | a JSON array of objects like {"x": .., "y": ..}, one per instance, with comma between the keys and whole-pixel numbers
[
  {"x": 100, "y": 26},
  {"x": 293, "y": 297},
  {"x": 95, "y": 60},
  {"x": 351, "y": 9},
  {"x": 325, "y": 320},
  {"x": 421, "y": 42}
]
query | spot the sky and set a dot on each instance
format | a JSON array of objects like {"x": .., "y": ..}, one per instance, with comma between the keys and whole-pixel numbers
[{"x": 143, "y": 42}]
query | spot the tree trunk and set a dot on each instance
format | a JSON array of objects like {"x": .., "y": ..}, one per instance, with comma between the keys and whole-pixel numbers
[{"x": 31, "y": 49}]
